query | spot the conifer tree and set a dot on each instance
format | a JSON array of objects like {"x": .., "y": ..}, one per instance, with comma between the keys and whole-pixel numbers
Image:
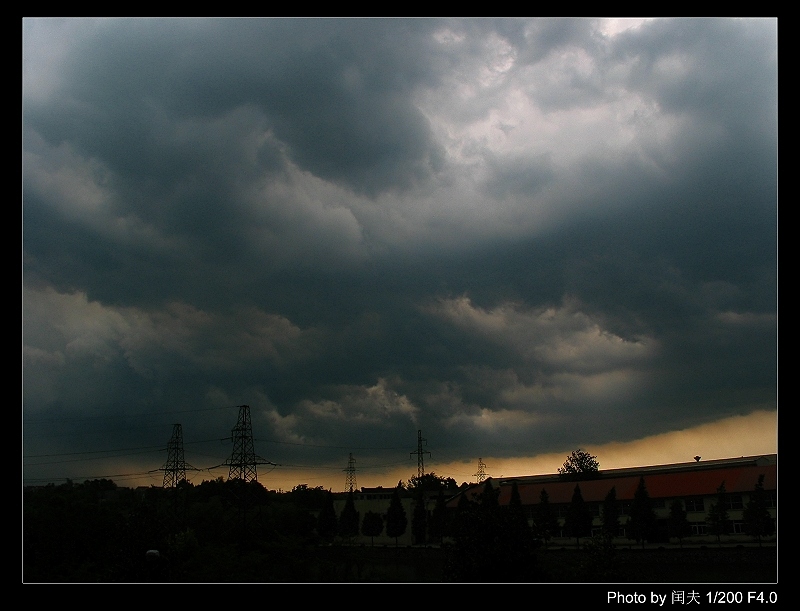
[
  {"x": 372, "y": 526},
  {"x": 461, "y": 518},
  {"x": 463, "y": 501},
  {"x": 518, "y": 528},
  {"x": 419, "y": 519},
  {"x": 717, "y": 518},
  {"x": 545, "y": 521},
  {"x": 578, "y": 521},
  {"x": 349, "y": 519},
  {"x": 396, "y": 520},
  {"x": 611, "y": 512},
  {"x": 486, "y": 546},
  {"x": 515, "y": 505},
  {"x": 642, "y": 521},
  {"x": 437, "y": 525},
  {"x": 327, "y": 523},
  {"x": 489, "y": 496},
  {"x": 678, "y": 522},
  {"x": 757, "y": 521}
]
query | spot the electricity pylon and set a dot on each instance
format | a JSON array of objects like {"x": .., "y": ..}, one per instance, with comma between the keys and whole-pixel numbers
[
  {"x": 175, "y": 467},
  {"x": 350, "y": 479},
  {"x": 481, "y": 474},
  {"x": 419, "y": 453},
  {"x": 243, "y": 469},
  {"x": 244, "y": 461}
]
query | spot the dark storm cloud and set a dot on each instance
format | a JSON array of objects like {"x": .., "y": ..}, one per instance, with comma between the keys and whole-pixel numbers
[
  {"x": 512, "y": 234},
  {"x": 336, "y": 93}
]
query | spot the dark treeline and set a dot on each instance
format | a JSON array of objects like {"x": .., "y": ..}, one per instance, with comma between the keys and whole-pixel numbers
[
  {"x": 235, "y": 532},
  {"x": 217, "y": 531},
  {"x": 232, "y": 531}
]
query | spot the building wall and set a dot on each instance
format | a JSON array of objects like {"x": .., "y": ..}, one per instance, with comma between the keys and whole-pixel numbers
[{"x": 697, "y": 509}]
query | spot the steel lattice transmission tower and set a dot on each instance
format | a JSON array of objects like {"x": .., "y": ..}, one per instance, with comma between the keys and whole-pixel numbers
[
  {"x": 175, "y": 468},
  {"x": 481, "y": 474},
  {"x": 419, "y": 453},
  {"x": 244, "y": 460},
  {"x": 350, "y": 479}
]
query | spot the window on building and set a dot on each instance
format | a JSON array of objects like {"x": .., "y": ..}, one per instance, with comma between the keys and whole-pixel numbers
[
  {"x": 699, "y": 529},
  {"x": 738, "y": 528},
  {"x": 734, "y": 501},
  {"x": 694, "y": 504}
]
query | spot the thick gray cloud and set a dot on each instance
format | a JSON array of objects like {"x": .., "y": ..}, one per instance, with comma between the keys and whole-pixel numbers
[{"x": 512, "y": 234}]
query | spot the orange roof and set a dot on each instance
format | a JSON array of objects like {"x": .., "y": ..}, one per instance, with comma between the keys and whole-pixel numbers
[{"x": 701, "y": 482}]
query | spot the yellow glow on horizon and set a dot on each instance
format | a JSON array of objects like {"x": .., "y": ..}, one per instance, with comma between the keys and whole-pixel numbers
[{"x": 750, "y": 435}]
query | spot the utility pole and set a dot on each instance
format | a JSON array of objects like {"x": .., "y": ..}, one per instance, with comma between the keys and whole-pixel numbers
[
  {"x": 350, "y": 479},
  {"x": 419, "y": 453},
  {"x": 481, "y": 474}
]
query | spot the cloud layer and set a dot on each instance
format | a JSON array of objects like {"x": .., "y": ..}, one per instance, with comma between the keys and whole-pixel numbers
[{"x": 520, "y": 236}]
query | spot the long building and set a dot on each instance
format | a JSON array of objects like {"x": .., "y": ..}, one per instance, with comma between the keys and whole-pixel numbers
[{"x": 694, "y": 484}]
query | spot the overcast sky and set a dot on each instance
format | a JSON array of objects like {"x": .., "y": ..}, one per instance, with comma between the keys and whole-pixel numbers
[{"x": 519, "y": 236}]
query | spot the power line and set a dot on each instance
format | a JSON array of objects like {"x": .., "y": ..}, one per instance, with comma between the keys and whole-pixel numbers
[
  {"x": 62, "y": 462},
  {"x": 93, "y": 452},
  {"x": 319, "y": 445},
  {"x": 126, "y": 415}
]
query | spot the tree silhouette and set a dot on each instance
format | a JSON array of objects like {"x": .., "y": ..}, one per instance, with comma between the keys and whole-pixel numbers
[
  {"x": 372, "y": 526},
  {"x": 717, "y": 518},
  {"x": 611, "y": 512},
  {"x": 430, "y": 482},
  {"x": 348, "y": 520},
  {"x": 487, "y": 545},
  {"x": 518, "y": 528},
  {"x": 545, "y": 521},
  {"x": 580, "y": 465},
  {"x": 419, "y": 519},
  {"x": 515, "y": 506},
  {"x": 578, "y": 521},
  {"x": 396, "y": 520},
  {"x": 642, "y": 521},
  {"x": 679, "y": 525},
  {"x": 461, "y": 519},
  {"x": 437, "y": 525},
  {"x": 757, "y": 521},
  {"x": 327, "y": 523},
  {"x": 489, "y": 497}
]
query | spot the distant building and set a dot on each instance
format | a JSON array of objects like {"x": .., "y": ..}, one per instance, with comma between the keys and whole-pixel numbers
[{"x": 695, "y": 484}]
